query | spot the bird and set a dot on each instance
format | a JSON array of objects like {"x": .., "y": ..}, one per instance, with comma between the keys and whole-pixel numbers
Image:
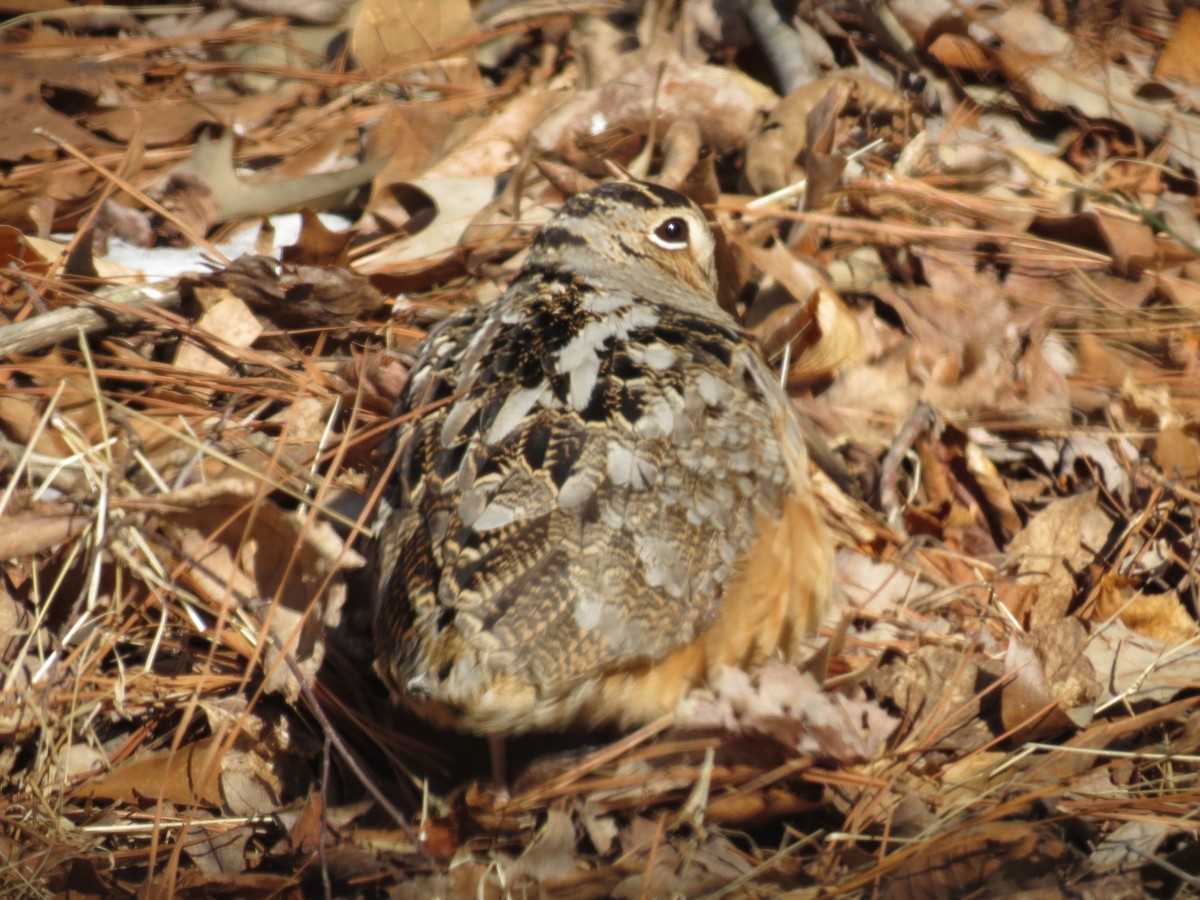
[{"x": 599, "y": 493}]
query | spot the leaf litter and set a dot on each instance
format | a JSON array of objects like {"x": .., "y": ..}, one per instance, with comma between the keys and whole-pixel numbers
[{"x": 968, "y": 235}]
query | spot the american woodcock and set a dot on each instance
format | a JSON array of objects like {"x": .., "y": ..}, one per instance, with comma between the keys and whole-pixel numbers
[{"x": 602, "y": 496}]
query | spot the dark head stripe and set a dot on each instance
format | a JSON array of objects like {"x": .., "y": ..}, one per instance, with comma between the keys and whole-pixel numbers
[
  {"x": 635, "y": 195},
  {"x": 668, "y": 197},
  {"x": 581, "y": 206},
  {"x": 556, "y": 237},
  {"x": 639, "y": 196}
]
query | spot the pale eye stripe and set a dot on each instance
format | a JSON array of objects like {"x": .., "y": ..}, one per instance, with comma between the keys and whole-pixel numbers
[{"x": 668, "y": 245}]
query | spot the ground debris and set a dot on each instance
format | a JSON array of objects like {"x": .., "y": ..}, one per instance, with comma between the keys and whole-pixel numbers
[{"x": 969, "y": 241}]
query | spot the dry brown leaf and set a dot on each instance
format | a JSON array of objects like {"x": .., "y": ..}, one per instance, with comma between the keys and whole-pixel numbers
[
  {"x": 25, "y": 116},
  {"x": 1113, "y": 93},
  {"x": 206, "y": 189},
  {"x": 681, "y": 147},
  {"x": 159, "y": 120},
  {"x": 1015, "y": 248},
  {"x": 822, "y": 332},
  {"x": 37, "y": 255},
  {"x": 291, "y": 296},
  {"x": 1176, "y": 451},
  {"x": 218, "y": 851},
  {"x": 1130, "y": 242},
  {"x": 1056, "y": 544},
  {"x": 1050, "y": 682},
  {"x": 958, "y": 51},
  {"x": 1001, "y": 507},
  {"x": 439, "y": 210},
  {"x": 1158, "y": 616},
  {"x": 26, "y": 534},
  {"x": 274, "y": 564},
  {"x": 1139, "y": 668},
  {"x": 1053, "y": 176},
  {"x": 724, "y": 103},
  {"x": 551, "y": 853},
  {"x": 1180, "y": 58},
  {"x": 495, "y": 144},
  {"x": 318, "y": 245},
  {"x": 389, "y": 35},
  {"x": 772, "y": 155},
  {"x": 249, "y": 785},
  {"x": 976, "y": 857},
  {"x": 187, "y": 777},
  {"x": 231, "y": 325},
  {"x": 788, "y": 706},
  {"x": 409, "y": 136},
  {"x": 937, "y": 691},
  {"x": 1129, "y": 846}
]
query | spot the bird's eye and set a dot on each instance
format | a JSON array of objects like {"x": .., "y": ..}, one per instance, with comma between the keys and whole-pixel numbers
[{"x": 671, "y": 234}]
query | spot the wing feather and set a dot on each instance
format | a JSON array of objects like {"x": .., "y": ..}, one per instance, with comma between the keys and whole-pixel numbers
[{"x": 557, "y": 535}]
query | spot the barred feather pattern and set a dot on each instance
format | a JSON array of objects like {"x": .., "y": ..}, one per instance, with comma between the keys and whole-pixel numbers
[{"x": 601, "y": 494}]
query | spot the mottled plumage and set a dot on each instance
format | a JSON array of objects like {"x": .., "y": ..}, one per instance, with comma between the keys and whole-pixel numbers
[{"x": 603, "y": 495}]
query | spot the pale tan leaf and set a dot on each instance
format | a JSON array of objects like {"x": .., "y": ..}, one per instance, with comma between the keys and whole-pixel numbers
[{"x": 391, "y": 33}]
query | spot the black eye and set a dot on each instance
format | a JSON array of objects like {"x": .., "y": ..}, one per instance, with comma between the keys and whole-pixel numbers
[{"x": 672, "y": 234}]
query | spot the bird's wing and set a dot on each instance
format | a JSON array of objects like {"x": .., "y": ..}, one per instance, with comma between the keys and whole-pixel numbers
[{"x": 555, "y": 539}]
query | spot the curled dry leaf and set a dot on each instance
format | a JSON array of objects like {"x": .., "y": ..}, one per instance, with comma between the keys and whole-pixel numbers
[
  {"x": 496, "y": 144},
  {"x": 382, "y": 377},
  {"x": 422, "y": 144},
  {"x": 438, "y": 210},
  {"x": 1051, "y": 682},
  {"x": 567, "y": 180},
  {"x": 939, "y": 692},
  {"x": 318, "y": 245},
  {"x": 722, "y": 102},
  {"x": 1001, "y": 507},
  {"x": 1055, "y": 544},
  {"x": 1158, "y": 616},
  {"x": 821, "y": 331},
  {"x": 773, "y": 154},
  {"x": 681, "y": 147},
  {"x": 289, "y": 296},
  {"x": 1128, "y": 240}
]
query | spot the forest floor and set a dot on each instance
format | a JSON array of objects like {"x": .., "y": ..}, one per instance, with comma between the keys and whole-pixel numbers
[{"x": 966, "y": 233}]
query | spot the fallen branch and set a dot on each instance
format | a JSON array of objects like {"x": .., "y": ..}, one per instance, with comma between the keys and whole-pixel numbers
[{"x": 119, "y": 307}]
